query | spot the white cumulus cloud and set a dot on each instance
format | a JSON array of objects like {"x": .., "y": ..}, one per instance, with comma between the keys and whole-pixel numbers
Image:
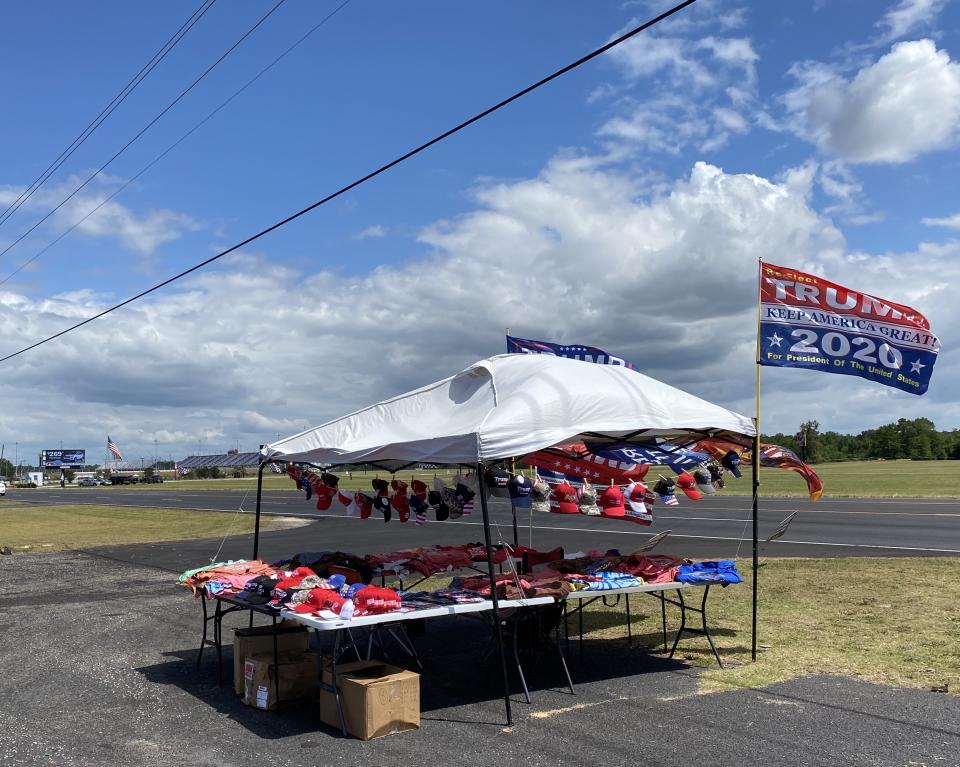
[
  {"x": 93, "y": 215},
  {"x": 907, "y": 16},
  {"x": 951, "y": 222},
  {"x": 905, "y": 104},
  {"x": 375, "y": 232},
  {"x": 679, "y": 91},
  {"x": 578, "y": 253}
]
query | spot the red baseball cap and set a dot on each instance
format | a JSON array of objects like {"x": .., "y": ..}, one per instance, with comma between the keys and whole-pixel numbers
[
  {"x": 564, "y": 500},
  {"x": 324, "y": 494},
  {"x": 419, "y": 489},
  {"x": 637, "y": 509},
  {"x": 688, "y": 484},
  {"x": 611, "y": 502}
]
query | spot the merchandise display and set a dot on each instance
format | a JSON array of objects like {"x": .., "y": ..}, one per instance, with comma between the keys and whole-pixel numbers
[
  {"x": 314, "y": 583},
  {"x": 584, "y": 418}
]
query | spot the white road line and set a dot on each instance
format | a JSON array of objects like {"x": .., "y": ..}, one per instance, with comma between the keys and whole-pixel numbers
[
  {"x": 806, "y": 510},
  {"x": 652, "y": 532},
  {"x": 508, "y": 522}
]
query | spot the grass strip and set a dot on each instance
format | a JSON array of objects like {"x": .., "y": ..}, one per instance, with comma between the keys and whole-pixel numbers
[
  {"x": 853, "y": 479},
  {"x": 887, "y": 620},
  {"x": 57, "y": 528}
]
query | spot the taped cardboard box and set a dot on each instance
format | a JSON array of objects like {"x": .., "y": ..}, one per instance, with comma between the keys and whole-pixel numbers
[
  {"x": 298, "y": 679},
  {"x": 292, "y": 637},
  {"x": 378, "y": 699}
]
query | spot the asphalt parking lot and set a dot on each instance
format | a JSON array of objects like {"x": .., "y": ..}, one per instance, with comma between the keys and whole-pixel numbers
[{"x": 99, "y": 669}]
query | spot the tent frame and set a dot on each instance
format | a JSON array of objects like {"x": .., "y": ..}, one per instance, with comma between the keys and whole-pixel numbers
[
  {"x": 480, "y": 469},
  {"x": 488, "y": 541}
]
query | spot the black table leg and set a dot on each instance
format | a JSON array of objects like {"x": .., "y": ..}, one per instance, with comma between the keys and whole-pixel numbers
[
  {"x": 629, "y": 626},
  {"x": 663, "y": 618},
  {"x": 217, "y": 628},
  {"x": 203, "y": 639},
  {"x": 276, "y": 661}
]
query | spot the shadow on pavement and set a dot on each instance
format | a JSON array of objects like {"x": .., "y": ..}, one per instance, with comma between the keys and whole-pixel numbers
[{"x": 454, "y": 679}]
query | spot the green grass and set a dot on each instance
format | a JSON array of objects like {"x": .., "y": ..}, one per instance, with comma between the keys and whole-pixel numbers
[
  {"x": 876, "y": 479},
  {"x": 871, "y": 479},
  {"x": 360, "y": 480},
  {"x": 56, "y": 528},
  {"x": 892, "y": 621}
]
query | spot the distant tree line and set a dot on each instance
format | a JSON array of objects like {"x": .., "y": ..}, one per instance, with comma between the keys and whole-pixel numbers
[{"x": 917, "y": 439}]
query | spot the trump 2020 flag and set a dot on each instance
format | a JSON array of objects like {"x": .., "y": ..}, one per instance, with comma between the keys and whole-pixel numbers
[
  {"x": 809, "y": 322},
  {"x": 573, "y": 351}
]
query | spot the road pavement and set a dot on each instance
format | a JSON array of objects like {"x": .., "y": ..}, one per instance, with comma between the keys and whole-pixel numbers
[{"x": 717, "y": 527}]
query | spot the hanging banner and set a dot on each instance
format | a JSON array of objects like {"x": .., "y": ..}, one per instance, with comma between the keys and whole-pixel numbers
[
  {"x": 573, "y": 351},
  {"x": 809, "y": 322},
  {"x": 575, "y": 464},
  {"x": 677, "y": 458}
]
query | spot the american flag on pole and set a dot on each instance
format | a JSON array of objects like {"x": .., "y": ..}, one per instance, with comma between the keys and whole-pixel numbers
[{"x": 114, "y": 450}]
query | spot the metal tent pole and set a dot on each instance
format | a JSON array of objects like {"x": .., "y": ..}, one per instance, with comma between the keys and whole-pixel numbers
[
  {"x": 256, "y": 529},
  {"x": 756, "y": 566},
  {"x": 493, "y": 596}
]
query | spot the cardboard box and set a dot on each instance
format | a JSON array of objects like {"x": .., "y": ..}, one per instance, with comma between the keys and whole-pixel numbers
[
  {"x": 298, "y": 679},
  {"x": 378, "y": 699},
  {"x": 292, "y": 637}
]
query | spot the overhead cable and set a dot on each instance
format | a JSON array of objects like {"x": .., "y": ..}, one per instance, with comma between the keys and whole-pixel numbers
[
  {"x": 382, "y": 169},
  {"x": 115, "y": 102},
  {"x": 174, "y": 145},
  {"x": 147, "y": 127}
]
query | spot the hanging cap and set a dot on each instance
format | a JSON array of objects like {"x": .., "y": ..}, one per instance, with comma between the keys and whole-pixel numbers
[
  {"x": 563, "y": 500},
  {"x": 611, "y": 502},
  {"x": 497, "y": 482},
  {"x": 520, "y": 488},
  {"x": 688, "y": 484},
  {"x": 731, "y": 462}
]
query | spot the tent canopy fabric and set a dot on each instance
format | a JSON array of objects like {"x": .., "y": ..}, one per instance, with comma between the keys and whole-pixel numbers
[{"x": 510, "y": 405}]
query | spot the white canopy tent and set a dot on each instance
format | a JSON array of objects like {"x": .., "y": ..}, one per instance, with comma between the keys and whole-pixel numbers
[{"x": 506, "y": 406}]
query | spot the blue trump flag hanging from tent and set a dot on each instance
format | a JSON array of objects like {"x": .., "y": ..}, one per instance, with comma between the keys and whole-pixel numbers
[
  {"x": 809, "y": 322},
  {"x": 573, "y": 351}
]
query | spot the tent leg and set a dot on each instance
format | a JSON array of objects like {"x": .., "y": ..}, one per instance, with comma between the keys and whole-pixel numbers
[
  {"x": 516, "y": 532},
  {"x": 493, "y": 595},
  {"x": 256, "y": 528},
  {"x": 756, "y": 566}
]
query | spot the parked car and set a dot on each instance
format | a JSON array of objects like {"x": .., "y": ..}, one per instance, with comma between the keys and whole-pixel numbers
[
  {"x": 102, "y": 480},
  {"x": 88, "y": 482},
  {"x": 154, "y": 478}
]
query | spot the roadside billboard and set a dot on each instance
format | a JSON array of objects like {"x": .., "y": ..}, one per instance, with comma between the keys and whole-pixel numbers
[{"x": 64, "y": 459}]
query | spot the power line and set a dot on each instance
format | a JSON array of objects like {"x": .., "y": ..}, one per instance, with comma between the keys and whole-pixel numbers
[
  {"x": 115, "y": 102},
  {"x": 382, "y": 169},
  {"x": 144, "y": 129},
  {"x": 175, "y": 144}
]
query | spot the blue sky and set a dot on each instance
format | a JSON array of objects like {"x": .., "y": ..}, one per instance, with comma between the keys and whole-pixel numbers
[{"x": 624, "y": 205}]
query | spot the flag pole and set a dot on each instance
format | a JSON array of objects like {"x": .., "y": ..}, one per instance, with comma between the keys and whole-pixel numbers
[{"x": 755, "y": 466}]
